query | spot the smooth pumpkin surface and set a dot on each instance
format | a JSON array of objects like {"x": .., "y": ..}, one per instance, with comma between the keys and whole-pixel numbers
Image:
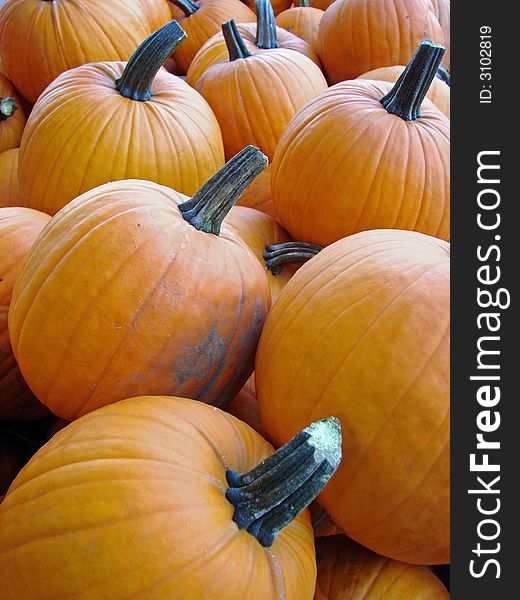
[
  {"x": 82, "y": 133},
  {"x": 143, "y": 483},
  {"x": 63, "y": 34},
  {"x": 244, "y": 406},
  {"x": 9, "y": 186},
  {"x": 347, "y": 571},
  {"x": 357, "y": 36},
  {"x": 151, "y": 305},
  {"x": 362, "y": 331},
  {"x": 259, "y": 195},
  {"x": 19, "y": 228},
  {"x": 13, "y": 121},
  {"x": 303, "y": 21}
]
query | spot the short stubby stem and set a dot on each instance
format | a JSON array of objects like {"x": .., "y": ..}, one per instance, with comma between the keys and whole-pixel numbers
[
  {"x": 7, "y": 108},
  {"x": 277, "y": 490},
  {"x": 265, "y": 25},
  {"x": 188, "y": 7},
  {"x": 278, "y": 256},
  {"x": 409, "y": 91},
  {"x": 234, "y": 42}
]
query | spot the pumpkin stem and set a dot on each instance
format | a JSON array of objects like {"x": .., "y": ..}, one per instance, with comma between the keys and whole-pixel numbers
[
  {"x": 234, "y": 42},
  {"x": 7, "y": 108},
  {"x": 265, "y": 25},
  {"x": 278, "y": 256},
  {"x": 277, "y": 490},
  {"x": 188, "y": 7},
  {"x": 443, "y": 75},
  {"x": 407, "y": 95},
  {"x": 211, "y": 203},
  {"x": 142, "y": 67},
  {"x": 303, "y": 3}
]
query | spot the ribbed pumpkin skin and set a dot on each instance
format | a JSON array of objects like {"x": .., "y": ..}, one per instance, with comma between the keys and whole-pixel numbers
[
  {"x": 344, "y": 165},
  {"x": 254, "y": 98},
  {"x": 362, "y": 332},
  {"x": 303, "y": 22},
  {"x": 259, "y": 194},
  {"x": 206, "y": 22},
  {"x": 277, "y": 5},
  {"x": 122, "y": 297},
  {"x": 19, "y": 228},
  {"x": 63, "y": 34},
  {"x": 11, "y": 129},
  {"x": 347, "y": 571},
  {"x": 214, "y": 50},
  {"x": 321, "y": 4},
  {"x": 83, "y": 133},
  {"x": 439, "y": 92},
  {"x": 143, "y": 483},
  {"x": 257, "y": 230},
  {"x": 357, "y": 36},
  {"x": 441, "y": 8},
  {"x": 9, "y": 187}
]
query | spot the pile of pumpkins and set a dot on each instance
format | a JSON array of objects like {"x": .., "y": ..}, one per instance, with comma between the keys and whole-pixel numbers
[{"x": 224, "y": 230}]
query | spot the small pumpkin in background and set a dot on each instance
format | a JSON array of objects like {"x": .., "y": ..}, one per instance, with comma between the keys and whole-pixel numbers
[
  {"x": 168, "y": 478},
  {"x": 362, "y": 331},
  {"x": 64, "y": 35},
  {"x": 19, "y": 228},
  {"x": 302, "y": 20},
  {"x": 347, "y": 571},
  {"x": 367, "y": 155},
  {"x": 357, "y": 36},
  {"x": 12, "y": 117},
  {"x": 9, "y": 186},
  {"x": 244, "y": 406},
  {"x": 202, "y": 20},
  {"x": 111, "y": 121},
  {"x": 175, "y": 298}
]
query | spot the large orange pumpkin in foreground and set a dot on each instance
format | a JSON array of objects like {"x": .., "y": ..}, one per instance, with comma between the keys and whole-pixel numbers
[
  {"x": 110, "y": 121},
  {"x": 347, "y": 571},
  {"x": 362, "y": 331},
  {"x": 158, "y": 497},
  {"x": 127, "y": 293},
  {"x": 367, "y": 155}
]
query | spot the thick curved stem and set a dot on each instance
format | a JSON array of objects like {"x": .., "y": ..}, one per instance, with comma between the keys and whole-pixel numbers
[
  {"x": 140, "y": 71},
  {"x": 276, "y": 491},
  {"x": 209, "y": 206},
  {"x": 303, "y": 3},
  {"x": 443, "y": 75},
  {"x": 278, "y": 256},
  {"x": 188, "y": 7},
  {"x": 7, "y": 108},
  {"x": 265, "y": 25},
  {"x": 234, "y": 42},
  {"x": 409, "y": 91}
]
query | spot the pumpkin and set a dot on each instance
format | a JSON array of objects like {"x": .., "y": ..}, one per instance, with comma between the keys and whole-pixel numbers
[
  {"x": 357, "y": 36},
  {"x": 159, "y": 298},
  {"x": 203, "y": 19},
  {"x": 9, "y": 187},
  {"x": 164, "y": 490},
  {"x": 15, "y": 451},
  {"x": 322, "y": 524},
  {"x": 262, "y": 35},
  {"x": 321, "y": 4},
  {"x": 265, "y": 89},
  {"x": 366, "y": 155},
  {"x": 19, "y": 228},
  {"x": 303, "y": 21},
  {"x": 277, "y": 5},
  {"x": 441, "y": 8},
  {"x": 362, "y": 331},
  {"x": 257, "y": 230},
  {"x": 244, "y": 406},
  {"x": 12, "y": 118},
  {"x": 347, "y": 571},
  {"x": 60, "y": 35},
  {"x": 439, "y": 92},
  {"x": 111, "y": 121},
  {"x": 259, "y": 195}
]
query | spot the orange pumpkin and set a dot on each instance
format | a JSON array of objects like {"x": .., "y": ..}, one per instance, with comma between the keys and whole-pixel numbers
[
  {"x": 263, "y": 35},
  {"x": 277, "y": 5},
  {"x": 158, "y": 298},
  {"x": 302, "y": 20},
  {"x": 347, "y": 571},
  {"x": 154, "y": 497},
  {"x": 357, "y": 36},
  {"x": 259, "y": 195},
  {"x": 244, "y": 406},
  {"x": 9, "y": 187},
  {"x": 203, "y": 19},
  {"x": 12, "y": 118},
  {"x": 61, "y": 35},
  {"x": 322, "y": 524},
  {"x": 110, "y": 121},
  {"x": 19, "y": 228},
  {"x": 362, "y": 331},
  {"x": 321, "y": 4},
  {"x": 249, "y": 83},
  {"x": 366, "y": 155},
  {"x": 439, "y": 92},
  {"x": 441, "y": 8}
]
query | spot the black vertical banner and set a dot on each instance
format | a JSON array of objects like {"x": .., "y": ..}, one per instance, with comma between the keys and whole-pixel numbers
[{"x": 485, "y": 438}]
